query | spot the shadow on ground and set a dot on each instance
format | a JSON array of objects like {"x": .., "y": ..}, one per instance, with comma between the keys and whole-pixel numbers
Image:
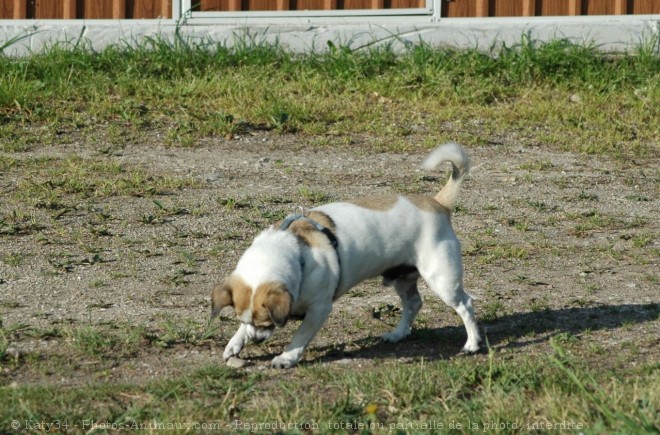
[{"x": 512, "y": 331}]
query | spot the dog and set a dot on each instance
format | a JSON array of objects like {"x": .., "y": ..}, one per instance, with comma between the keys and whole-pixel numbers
[{"x": 298, "y": 267}]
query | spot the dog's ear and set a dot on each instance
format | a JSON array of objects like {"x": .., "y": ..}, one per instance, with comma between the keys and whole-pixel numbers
[
  {"x": 278, "y": 304},
  {"x": 221, "y": 296}
]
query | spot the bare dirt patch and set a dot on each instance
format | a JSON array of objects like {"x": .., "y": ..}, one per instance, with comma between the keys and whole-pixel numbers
[{"x": 555, "y": 244}]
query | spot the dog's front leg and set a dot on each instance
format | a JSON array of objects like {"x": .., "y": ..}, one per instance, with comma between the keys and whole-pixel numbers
[
  {"x": 237, "y": 342},
  {"x": 314, "y": 320}
]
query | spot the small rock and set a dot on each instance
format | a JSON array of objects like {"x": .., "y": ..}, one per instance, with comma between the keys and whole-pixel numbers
[
  {"x": 237, "y": 363},
  {"x": 213, "y": 177}
]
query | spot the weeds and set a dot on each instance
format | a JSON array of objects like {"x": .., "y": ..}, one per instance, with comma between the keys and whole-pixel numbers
[
  {"x": 313, "y": 196},
  {"x": 641, "y": 421},
  {"x": 190, "y": 332}
]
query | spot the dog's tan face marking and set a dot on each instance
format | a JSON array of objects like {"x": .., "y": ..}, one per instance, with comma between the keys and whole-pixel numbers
[
  {"x": 384, "y": 203},
  {"x": 271, "y": 305},
  {"x": 233, "y": 291},
  {"x": 306, "y": 232}
]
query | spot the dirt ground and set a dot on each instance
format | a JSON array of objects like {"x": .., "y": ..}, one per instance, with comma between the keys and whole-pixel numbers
[{"x": 554, "y": 243}]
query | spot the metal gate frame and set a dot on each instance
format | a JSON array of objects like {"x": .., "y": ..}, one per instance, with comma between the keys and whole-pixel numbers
[{"x": 182, "y": 9}]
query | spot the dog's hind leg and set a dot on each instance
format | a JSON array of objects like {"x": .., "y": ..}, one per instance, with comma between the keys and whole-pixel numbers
[
  {"x": 444, "y": 275},
  {"x": 411, "y": 302}
]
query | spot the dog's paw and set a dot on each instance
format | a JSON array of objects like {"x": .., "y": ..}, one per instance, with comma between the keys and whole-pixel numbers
[
  {"x": 394, "y": 336},
  {"x": 283, "y": 362},
  {"x": 471, "y": 348},
  {"x": 232, "y": 349}
]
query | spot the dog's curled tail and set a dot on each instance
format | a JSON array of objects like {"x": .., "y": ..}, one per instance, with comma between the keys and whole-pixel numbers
[{"x": 460, "y": 162}]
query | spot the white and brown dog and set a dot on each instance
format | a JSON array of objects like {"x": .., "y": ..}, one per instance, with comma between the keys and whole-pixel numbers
[{"x": 297, "y": 268}]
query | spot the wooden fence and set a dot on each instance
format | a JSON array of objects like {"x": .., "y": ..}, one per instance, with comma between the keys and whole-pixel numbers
[
  {"x": 120, "y": 9},
  {"x": 88, "y": 9}
]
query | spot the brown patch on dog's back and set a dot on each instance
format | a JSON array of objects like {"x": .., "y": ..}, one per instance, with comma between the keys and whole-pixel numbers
[
  {"x": 272, "y": 305},
  {"x": 323, "y": 219},
  {"x": 426, "y": 203},
  {"x": 385, "y": 203},
  {"x": 377, "y": 203},
  {"x": 307, "y": 233},
  {"x": 232, "y": 291}
]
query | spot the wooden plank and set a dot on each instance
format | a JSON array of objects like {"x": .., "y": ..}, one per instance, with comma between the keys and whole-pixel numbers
[
  {"x": 48, "y": 9},
  {"x": 260, "y": 5},
  {"x": 118, "y": 9},
  {"x": 362, "y": 4},
  {"x": 574, "y": 7},
  {"x": 481, "y": 8},
  {"x": 6, "y": 10},
  {"x": 218, "y": 5},
  {"x": 456, "y": 9},
  {"x": 69, "y": 9},
  {"x": 314, "y": 5},
  {"x": 166, "y": 8},
  {"x": 282, "y": 5},
  {"x": 620, "y": 7},
  {"x": 265, "y": 5},
  {"x": 645, "y": 7},
  {"x": 19, "y": 9},
  {"x": 507, "y": 8},
  {"x": 599, "y": 7},
  {"x": 140, "y": 9},
  {"x": 94, "y": 10},
  {"x": 406, "y": 4},
  {"x": 529, "y": 8},
  {"x": 549, "y": 8}
]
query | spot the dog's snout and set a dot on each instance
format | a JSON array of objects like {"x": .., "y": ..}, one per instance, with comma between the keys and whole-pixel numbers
[{"x": 259, "y": 334}]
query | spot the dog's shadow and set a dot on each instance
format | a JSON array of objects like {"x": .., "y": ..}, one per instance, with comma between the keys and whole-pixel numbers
[{"x": 511, "y": 331}]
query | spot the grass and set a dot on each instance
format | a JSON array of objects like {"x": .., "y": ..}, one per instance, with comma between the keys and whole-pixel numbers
[
  {"x": 184, "y": 92},
  {"x": 556, "y": 391}
]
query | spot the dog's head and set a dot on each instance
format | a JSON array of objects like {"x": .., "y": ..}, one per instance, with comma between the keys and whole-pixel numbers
[{"x": 264, "y": 307}]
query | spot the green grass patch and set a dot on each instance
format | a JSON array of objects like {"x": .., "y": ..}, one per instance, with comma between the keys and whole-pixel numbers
[
  {"x": 52, "y": 178},
  {"x": 526, "y": 393},
  {"x": 558, "y": 94}
]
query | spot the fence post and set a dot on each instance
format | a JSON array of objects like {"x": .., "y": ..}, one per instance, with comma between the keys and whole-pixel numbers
[{"x": 529, "y": 8}]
